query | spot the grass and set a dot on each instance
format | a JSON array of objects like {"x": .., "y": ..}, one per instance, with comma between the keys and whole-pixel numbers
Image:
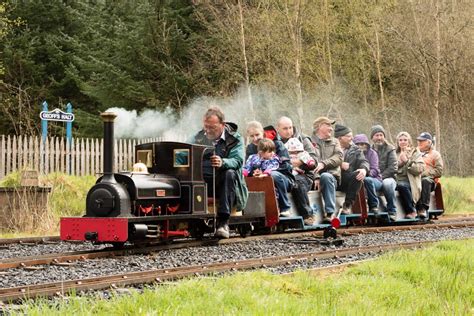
[
  {"x": 458, "y": 194},
  {"x": 434, "y": 281}
]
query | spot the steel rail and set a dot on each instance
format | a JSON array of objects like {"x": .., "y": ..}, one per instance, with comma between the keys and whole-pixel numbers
[
  {"x": 157, "y": 276},
  {"x": 53, "y": 239},
  {"x": 67, "y": 258}
]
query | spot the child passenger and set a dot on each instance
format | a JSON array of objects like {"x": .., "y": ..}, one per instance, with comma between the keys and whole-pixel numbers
[
  {"x": 296, "y": 151},
  {"x": 264, "y": 162}
]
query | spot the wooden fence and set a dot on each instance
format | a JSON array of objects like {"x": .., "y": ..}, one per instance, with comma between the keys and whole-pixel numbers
[{"x": 82, "y": 157}]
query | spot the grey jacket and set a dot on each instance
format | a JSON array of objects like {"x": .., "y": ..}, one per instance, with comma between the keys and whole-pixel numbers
[{"x": 387, "y": 160}]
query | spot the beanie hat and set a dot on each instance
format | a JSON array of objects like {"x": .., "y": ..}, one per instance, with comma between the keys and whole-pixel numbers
[
  {"x": 377, "y": 129},
  {"x": 341, "y": 130},
  {"x": 293, "y": 144},
  {"x": 361, "y": 139}
]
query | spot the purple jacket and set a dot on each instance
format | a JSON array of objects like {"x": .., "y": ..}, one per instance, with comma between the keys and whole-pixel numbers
[
  {"x": 266, "y": 166},
  {"x": 370, "y": 155}
]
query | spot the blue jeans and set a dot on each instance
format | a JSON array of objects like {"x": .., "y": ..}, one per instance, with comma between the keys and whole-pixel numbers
[
  {"x": 389, "y": 186},
  {"x": 282, "y": 186},
  {"x": 406, "y": 197},
  {"x": 372, "y": 186},
  {"x": 328, "y": 184}
]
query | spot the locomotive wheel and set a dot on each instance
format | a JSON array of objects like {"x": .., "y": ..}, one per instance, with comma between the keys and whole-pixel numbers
[
  {"x": 118, "y": 245},
  {"x": 244, "y": 230},
  {"x": 330, "y": 232}
]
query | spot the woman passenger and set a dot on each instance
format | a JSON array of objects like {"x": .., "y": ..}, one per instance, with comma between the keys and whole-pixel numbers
[
  {"x": 410, "y": 167},
  {"x": 282, "y": 177}
]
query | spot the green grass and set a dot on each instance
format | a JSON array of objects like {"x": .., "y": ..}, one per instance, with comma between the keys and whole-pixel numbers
[
  {"x": 434, "y": 281},
  {"x": 458, "y": 194}
]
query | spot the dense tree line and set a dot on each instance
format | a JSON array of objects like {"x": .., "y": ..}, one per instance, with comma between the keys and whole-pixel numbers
[{"x": 405, "y": 64}]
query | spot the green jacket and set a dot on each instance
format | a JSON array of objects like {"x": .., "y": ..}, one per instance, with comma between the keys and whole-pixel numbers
[{"x": 233, "y": 158}]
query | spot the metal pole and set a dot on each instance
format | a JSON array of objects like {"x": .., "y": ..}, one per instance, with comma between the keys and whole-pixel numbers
[{"x": 44, "y": 123}]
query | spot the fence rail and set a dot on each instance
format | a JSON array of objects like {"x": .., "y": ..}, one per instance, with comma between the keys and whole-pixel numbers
[{"x": 82, "y": 157}]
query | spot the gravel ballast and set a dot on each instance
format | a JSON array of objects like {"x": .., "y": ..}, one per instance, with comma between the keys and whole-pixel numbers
[{"x": 167, "y": 259}]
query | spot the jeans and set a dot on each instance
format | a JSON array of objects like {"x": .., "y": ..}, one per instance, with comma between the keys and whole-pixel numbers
[
  {"x": 389, "y": 185},
  {"x": 327, "y": 184},
  {"x": 282, "y": 186},
  {"x": 406, "y": 198},
  {"x": 300, "y": 195},
  {"x": 372, "y": 186}
]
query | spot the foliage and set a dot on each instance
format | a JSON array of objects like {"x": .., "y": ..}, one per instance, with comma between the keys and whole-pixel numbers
[
  {"x": 402, "y": 63},
  {"x": 434, "y": 281}
]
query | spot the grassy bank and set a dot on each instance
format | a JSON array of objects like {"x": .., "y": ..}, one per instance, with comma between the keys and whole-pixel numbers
[
  {"x": 433, "y": 281},
  {"x": 458, "y": 194}
]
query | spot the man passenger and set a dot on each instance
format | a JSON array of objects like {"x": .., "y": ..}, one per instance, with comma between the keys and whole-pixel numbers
[
  {"x": 304, "y": 181},
  {"x": 227, "y": 161},
  {"x": 430, "y": 176},
  {"x": 329, "y": 157},
  {"x": 354, "y": 167},
  {"x": 388, "y": 166}
]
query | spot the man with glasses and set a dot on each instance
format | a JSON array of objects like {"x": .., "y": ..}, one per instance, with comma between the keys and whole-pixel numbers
[{"x": 227, "y": 161}]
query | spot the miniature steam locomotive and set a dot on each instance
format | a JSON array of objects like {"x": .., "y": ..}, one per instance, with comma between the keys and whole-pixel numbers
[{"x": 169, "y": 200}]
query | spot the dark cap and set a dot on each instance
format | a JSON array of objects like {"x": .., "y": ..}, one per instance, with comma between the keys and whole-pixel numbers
[
  {"x": 425, "y": 136},
  {"x": 341, "y": 130}
]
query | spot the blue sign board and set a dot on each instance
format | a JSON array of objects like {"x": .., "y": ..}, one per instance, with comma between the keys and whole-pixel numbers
[{"x": 56, "y": 115}]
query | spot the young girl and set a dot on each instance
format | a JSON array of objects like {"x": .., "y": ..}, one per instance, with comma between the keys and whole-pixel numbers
[{"x": 264, "y": 162}]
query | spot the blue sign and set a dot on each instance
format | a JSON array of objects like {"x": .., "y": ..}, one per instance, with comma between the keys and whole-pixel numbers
[{"x": 56, "y": 115}]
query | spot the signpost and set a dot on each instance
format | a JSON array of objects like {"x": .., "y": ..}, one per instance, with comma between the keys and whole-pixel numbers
[{"x": 57, "y": 115}]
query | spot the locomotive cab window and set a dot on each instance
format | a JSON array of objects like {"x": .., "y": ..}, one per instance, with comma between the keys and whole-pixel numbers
[
  {"x": 144, "y": 156},
  {"x": 181, "y": 158}
]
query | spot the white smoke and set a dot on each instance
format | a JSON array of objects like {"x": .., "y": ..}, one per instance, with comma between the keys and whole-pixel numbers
[{"x": 269, "y": 104}]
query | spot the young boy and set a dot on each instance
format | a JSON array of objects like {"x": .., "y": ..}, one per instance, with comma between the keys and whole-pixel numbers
[
  {"x": 264, "y": 162},
  {"x": 296, "y": 150}
]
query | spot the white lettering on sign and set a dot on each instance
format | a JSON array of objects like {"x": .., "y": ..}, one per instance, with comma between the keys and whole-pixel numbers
[{"x": 57, "y": 115}]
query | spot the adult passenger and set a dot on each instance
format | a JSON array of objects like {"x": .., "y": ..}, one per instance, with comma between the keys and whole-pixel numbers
[
  {"x": 373, "y": 180},
  {"x": 354, "y": 167},
  {"x": 410, "y": 167},
  {"x": 227, "y": 162},
  {"x": 430, "y": 176},
  {"x": 387, "y": 166},
  {"x": 282, "y": 177},
  {"x": 329, "y": 157},
  {"x": 304, "y": 180}
]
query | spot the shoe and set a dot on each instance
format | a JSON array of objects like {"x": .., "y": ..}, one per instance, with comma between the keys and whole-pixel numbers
[
  {"x": 309, "y": 221},
  {"x": 346, "y": 209},
  {"x": 392, "y": 216},
  {"x": 326, "y": 219},
  {"x": 285, "y": 213},
  {"x": 411, "y": 215},
  {"x": 374, "y": 210},
  {"x": 422, "y": 213},
  {"x": 222, "y": 231}
]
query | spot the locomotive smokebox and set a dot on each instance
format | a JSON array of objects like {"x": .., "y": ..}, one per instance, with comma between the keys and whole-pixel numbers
[
  {"x": 108, "y": 198},
  {"x": 108, "y": 118}
]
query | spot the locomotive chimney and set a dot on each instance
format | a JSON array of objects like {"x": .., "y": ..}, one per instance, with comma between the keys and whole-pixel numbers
[{"x": 108, "y": 118}]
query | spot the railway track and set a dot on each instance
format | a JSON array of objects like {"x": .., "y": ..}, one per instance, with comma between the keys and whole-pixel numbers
[
  {"x": 68, "y": 258},
  {"x": 160, "y": 275}
]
